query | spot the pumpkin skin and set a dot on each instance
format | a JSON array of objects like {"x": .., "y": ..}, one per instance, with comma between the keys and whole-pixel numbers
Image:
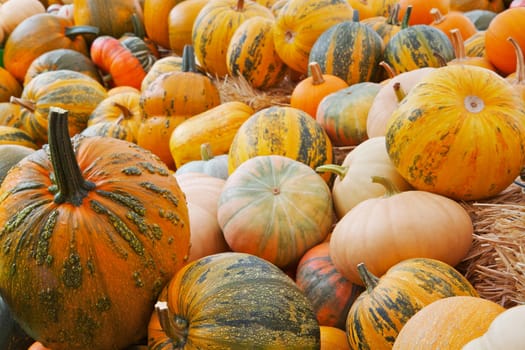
[
  {"x": 333, "y": 338},
  {"x": 475, "y": 45},
  {"x": 9, "y": 86},
  {"x": 475, "y": 114},
  {"x": 210, "y": 164},
  {"x": 12, "y": 13},
  {"x": 260, "y": 211},
  {"x": 218, "y": 307},
  {"x": 136, "y": 207},
  {"x": 421, "y": 10},
  {"x": 156, "y": 19},
  {"x": 453, "y": 20},
  {"x": 297, "y": 27},
  {"x": 10, "y": 114},
  {"x": 448, "y": 323},
  {"x": 180, "y": 23},
  {"x": 284, "y": 131},
  {"x": 385, "y": 25},
  {"x": 330, "y": 293},
  {"x": 251, "y": 54},
  {"x": 10, "y": 135},
  {"x": 383, "y": 309}
]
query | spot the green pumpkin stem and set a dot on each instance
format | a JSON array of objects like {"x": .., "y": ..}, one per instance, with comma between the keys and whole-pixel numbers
[
  {"x": 393, "y": 15},
  {"x": 398, "y": 91},
  {"x": 138, "y": 27},
  {"x": 339, "y": 170},
  {"x": 29, "y": 105},
  {"x": 355, "y": 16},
  {"x": 175, "y": 328},
  {"x": 390, "y": 188},
  {"x": 206, "y": 152},
  {"x": 71, "y": 187},
  {"x": 369, "y": 280},
  {"x": 406, "y": 17},
  {"x": 188, "y": 59},
  {"x": 73, "y": 31},
  {"x": 520, "y": 65}
]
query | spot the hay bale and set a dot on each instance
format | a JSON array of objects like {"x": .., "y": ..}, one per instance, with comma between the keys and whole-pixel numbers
[{"x": 495, "y": 264}]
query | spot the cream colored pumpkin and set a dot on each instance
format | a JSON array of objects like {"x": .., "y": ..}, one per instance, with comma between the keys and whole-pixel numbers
[{"x": 13, "y": 12}]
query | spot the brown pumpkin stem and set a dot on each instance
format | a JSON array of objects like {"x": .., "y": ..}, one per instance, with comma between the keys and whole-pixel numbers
[
  {"x": 317, "y": 74},
  {"x": 520, "y": 65},
  {"x": 73, "y": 31},
  {"x": 240, "y": 6},
  {"x": 206, "y": 153},
  {"x": 175, "y": 327},
  {"x": 29, "y": 105},
  {"x": 393, "y": 15},
  {"x": 339, "y": 170},
  {"x": 369, "y": 280},
  {"x": 436, "y": 14},
  {"x": 388, "y": 68},
  {"x": 126, "y": 113},
  {"x": 70, "y": 186},
  {"x": 458, "y": 44},
  {"x": 406, "y": 17},
  {"x": 398, "y": 91},
  {"x": 390, "y": 188}
]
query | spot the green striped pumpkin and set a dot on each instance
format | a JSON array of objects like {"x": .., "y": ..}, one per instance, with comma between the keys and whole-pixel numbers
[
  {"x": 281, "y": 130},
  {"x": 10, "y": 135},
  {"x": 418, "y": 46},
  {"x": 251, "y": 54},
  {"x": 475, "y": 45},
  {"x": 379, "y": 313},
  {"x": 234, "y": 301},
  {"x": 349, "y": 50}
]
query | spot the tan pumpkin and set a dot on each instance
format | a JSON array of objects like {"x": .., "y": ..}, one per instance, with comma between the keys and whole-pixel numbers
[{"x": 13, "y": 12}]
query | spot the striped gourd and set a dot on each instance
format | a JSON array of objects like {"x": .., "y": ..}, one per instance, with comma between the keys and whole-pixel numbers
[
  {"x": 379, "y": 313},
  {"x": 386, "y": 26},
  {"x": 285, "y": 131},
  {"x": 113, "y": 129},
  {"x": 251, "y": 54},
  {"x": 475, "y": 45},
  {"x": 349, "y": 50},
  {"x": 10, "y": 135},
  {"x": 10, "y": 114},
  {"x": 418, "y": 46},
  {"x": 233, "y": 301}
]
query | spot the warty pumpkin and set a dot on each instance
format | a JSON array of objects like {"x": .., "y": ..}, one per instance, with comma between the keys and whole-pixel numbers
[
  {"x": 390, "y": 300},
  {"x": 91, "y": 216},
  {"x": 475, "y": 114},
  {"x": 211, "y": 303}
]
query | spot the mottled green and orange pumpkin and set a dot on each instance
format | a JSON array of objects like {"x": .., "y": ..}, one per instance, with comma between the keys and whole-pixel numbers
[{"x": 85, "y": 237}]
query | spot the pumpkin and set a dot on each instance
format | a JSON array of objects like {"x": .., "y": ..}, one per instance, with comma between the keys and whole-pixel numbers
[
  {"x": 382, "y": 311},
  {"x": 461, "y": 56},
  {"x": 156, "y": 19},
  {"x": 63, "y": 88},
  {"x": 481, "y": 18},
  {"x": 448, "y": 323},
  {"x": 210, "y": 164},
  {"x": 298, "y": 25},
  {"x": 499, "y": 51},
  {"x": 385, "y": 26},
  {"x": 13, "y": 12},
  {"x": 10, "y": 114},
  {"x": 141, "y": 48},
  {"x": 421, "y": 10},
  {"x": 453, "y": 20},
  {"x": 26, "y": 42},
  {"x": 333, "y": 338},
  {"x": 352, "y": 183},
  {"x": 180, "y": 23},
  {"x": 251, "y": 54},
  {"x": 182, "y": 93},
  {"x": 474, "y": 115},
  {"x": 120, "y": 89},
  {"x": 504, "y": 332},
  {"x": 91, "y": 216},
  {"x": 276, "y": 208},
  {"x": 373, "y": 8},
  {"x": 11, "y": 155},
  {"x": 214, "y": 26},
  {"x": 9, "y": 86},
  {"x": 10, "y": 135},
  {"x": 281, "y": 130},
  {"x": 12, "y": 337},
  {"x": 475, "y": 45},
  {"x": 211, "y": 303},
  {"x": 62, "y": 59},
  {"x": 349, "y": 50},
  {"x": 217, "y": 126},
  {"x": 164, "y": 65},
  {"x": 418, "y": 46},
  {"x": 114, "y": 129},
  {"x": 382, "y": 231},
  {"x": 343, "y": 114},
  {"x": 202, "y": 193},
  {"x": 330, "y": 293},
  {"x": 113, "y": 18}
]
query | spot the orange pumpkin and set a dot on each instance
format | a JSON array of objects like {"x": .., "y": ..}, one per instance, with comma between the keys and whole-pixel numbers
[
  {"x": 9, "y": 86},
  {"x": 156, "y": 14},
  {"x": 461, "y": 56},
  {"x": 180, "y": 23},
  {"x": 421, "y": 10},
  {"x": 453, "y": 20}
]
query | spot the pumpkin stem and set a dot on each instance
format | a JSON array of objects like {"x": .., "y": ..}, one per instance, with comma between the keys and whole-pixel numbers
[
  {"x": 175, "y": 327},
  {"x": 339, "y": 170},
  {"x": 436, "y": 14},
  {"x": 458, "y": 44},
  {"x": 240, "y": 6},
  {"x": 388, "y": 68},
  {"x": 206, "y": 153},
  {"x": 138, "y": 27},
  {"x": 126, "y": 113},
  {"x": 188, "y": 59},
  {"x": 29, "y": 105},
  {"x": 406, "y": 17},
  {"x": 393, "y": 15},
  {"x": 73, "y": 31},
  {"x": 70, "y": 186},
  {"x": 520, "y": 66},
  {"x": 355, "y": 16},
  {"x": 369, "y": 280},
  {"x": 390, "y": 188},
  {"x": 317, "y": 74},
  {"x": 398, "y": 91}
]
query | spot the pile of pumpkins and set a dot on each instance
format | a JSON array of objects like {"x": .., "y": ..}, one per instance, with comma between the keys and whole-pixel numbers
[{"x": 140, "y": 207}]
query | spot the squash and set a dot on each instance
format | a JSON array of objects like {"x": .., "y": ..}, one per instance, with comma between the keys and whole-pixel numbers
[
  {"x": 281, "y": 130},
  {"x": 202, "y": 194},
  {"x": 298, "y": 25},
  {"x": 180, "y": 23},
  {"x": 211, "y": 303},
  {"x": 251, "y": 54},
  {"x": 352, "y": 183},
  {"x": 330, "y": 293},
  {"x": 474, "y": 114},
  {"x": 349, "y": 50},
  {"x": 217, "y": 126},
  {"x": 210, "y": 164},
  {"x": 156, "y": 19},
  {"x": 276, "y": 208},
  {"x": 448, "y": 323},
  {"x": 344, "y": 113},
  {"x": 214, "y": 26},
  {"x": 9, "y": 86},
  {"x": 26, "y": 42},
  {"x": 91, "y": 216},
  {"x": 383, "y": 231},
  {"x": 13, "y": 12},
  {"x": 113, "y": 18},
  {"x": 504, "y": 332},
  {"x": 389, "y": 302}
]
